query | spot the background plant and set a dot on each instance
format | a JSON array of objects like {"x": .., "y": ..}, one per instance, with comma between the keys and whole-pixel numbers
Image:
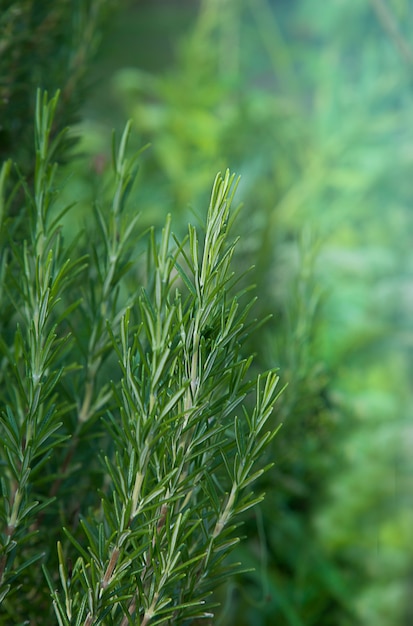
[{"x": 48, "y": 45}]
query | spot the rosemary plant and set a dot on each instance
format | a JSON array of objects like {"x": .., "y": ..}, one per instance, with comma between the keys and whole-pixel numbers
[
  {"x": 174, "y": 433},
  {"x": 49, "y": 43}
]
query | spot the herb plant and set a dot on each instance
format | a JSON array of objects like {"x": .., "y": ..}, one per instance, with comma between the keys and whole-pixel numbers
[
  {"x": 47, "y": 44},
  {"x": 139, "y": 472}
]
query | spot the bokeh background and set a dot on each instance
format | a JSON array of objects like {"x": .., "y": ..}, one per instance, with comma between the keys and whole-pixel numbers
[{"x": 311, "y": 103}]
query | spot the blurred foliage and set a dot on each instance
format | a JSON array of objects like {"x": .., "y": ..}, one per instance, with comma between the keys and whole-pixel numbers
[{"x": 49, "y": 45}]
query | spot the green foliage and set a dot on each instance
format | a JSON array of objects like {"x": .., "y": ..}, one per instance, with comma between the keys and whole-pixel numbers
[
  {"x": 313, "y": 108},
  {"x": 43, "y": 44},
  {"x": 145, "y": 503}
]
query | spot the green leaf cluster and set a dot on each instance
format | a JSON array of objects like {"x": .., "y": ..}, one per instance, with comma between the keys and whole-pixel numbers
[
  {"x": 49, "y": 45},
  {"x": 132, "y": 423}
]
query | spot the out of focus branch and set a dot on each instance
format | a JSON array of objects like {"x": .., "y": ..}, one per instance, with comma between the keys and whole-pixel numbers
[{"x": 389, "y": 24}]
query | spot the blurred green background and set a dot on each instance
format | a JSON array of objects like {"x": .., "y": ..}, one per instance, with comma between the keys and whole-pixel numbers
[{"x": 312, "y": 104}]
